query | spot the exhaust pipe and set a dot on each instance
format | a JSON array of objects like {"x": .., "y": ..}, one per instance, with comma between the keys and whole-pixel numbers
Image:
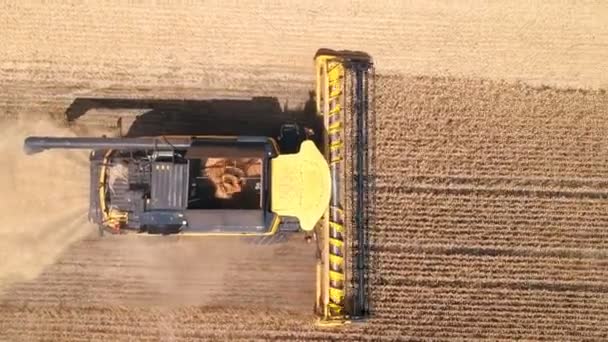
[{"x": 33, "y": 145}]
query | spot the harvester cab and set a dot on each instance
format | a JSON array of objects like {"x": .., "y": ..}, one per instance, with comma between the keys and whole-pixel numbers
[{"x": 254, "y": 185}]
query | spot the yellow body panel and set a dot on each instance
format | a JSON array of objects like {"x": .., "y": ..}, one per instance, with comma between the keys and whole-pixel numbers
[{"x": 301, "y": 185}]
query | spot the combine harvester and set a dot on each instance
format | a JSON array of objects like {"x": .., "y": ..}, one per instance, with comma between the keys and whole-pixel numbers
[{"x": 258, "y": 187}]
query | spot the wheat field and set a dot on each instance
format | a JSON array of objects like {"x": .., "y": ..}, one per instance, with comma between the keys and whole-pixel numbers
[{"x": 491, "y": 184}]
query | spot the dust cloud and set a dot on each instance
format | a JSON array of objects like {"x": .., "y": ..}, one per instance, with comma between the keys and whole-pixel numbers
[
  {"x": 43, "y": 204},
  {"x": 43, "y": 201},
  {"x": 175, "y": 271}
]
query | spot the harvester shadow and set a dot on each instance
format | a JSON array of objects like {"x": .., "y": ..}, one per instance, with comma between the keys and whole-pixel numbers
[{"x": 257, "y": 116}]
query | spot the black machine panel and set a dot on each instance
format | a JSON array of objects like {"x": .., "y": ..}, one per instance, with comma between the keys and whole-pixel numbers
[{"x": 169, "y": 186}]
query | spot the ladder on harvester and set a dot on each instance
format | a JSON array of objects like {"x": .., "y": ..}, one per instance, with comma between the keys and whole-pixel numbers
[{"x": 343, "y": 82}]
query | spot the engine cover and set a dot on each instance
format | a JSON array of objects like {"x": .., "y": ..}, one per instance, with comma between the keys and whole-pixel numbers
[{"x": 169, "y": 186}]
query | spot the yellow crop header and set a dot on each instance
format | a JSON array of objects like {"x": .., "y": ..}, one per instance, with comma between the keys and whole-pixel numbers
[{"x": 344, "y": 80}]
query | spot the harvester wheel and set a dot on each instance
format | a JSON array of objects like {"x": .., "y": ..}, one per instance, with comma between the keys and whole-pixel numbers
[
  {"x": 289, "y": 224},
  {"x": 291, "y": 137}
]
